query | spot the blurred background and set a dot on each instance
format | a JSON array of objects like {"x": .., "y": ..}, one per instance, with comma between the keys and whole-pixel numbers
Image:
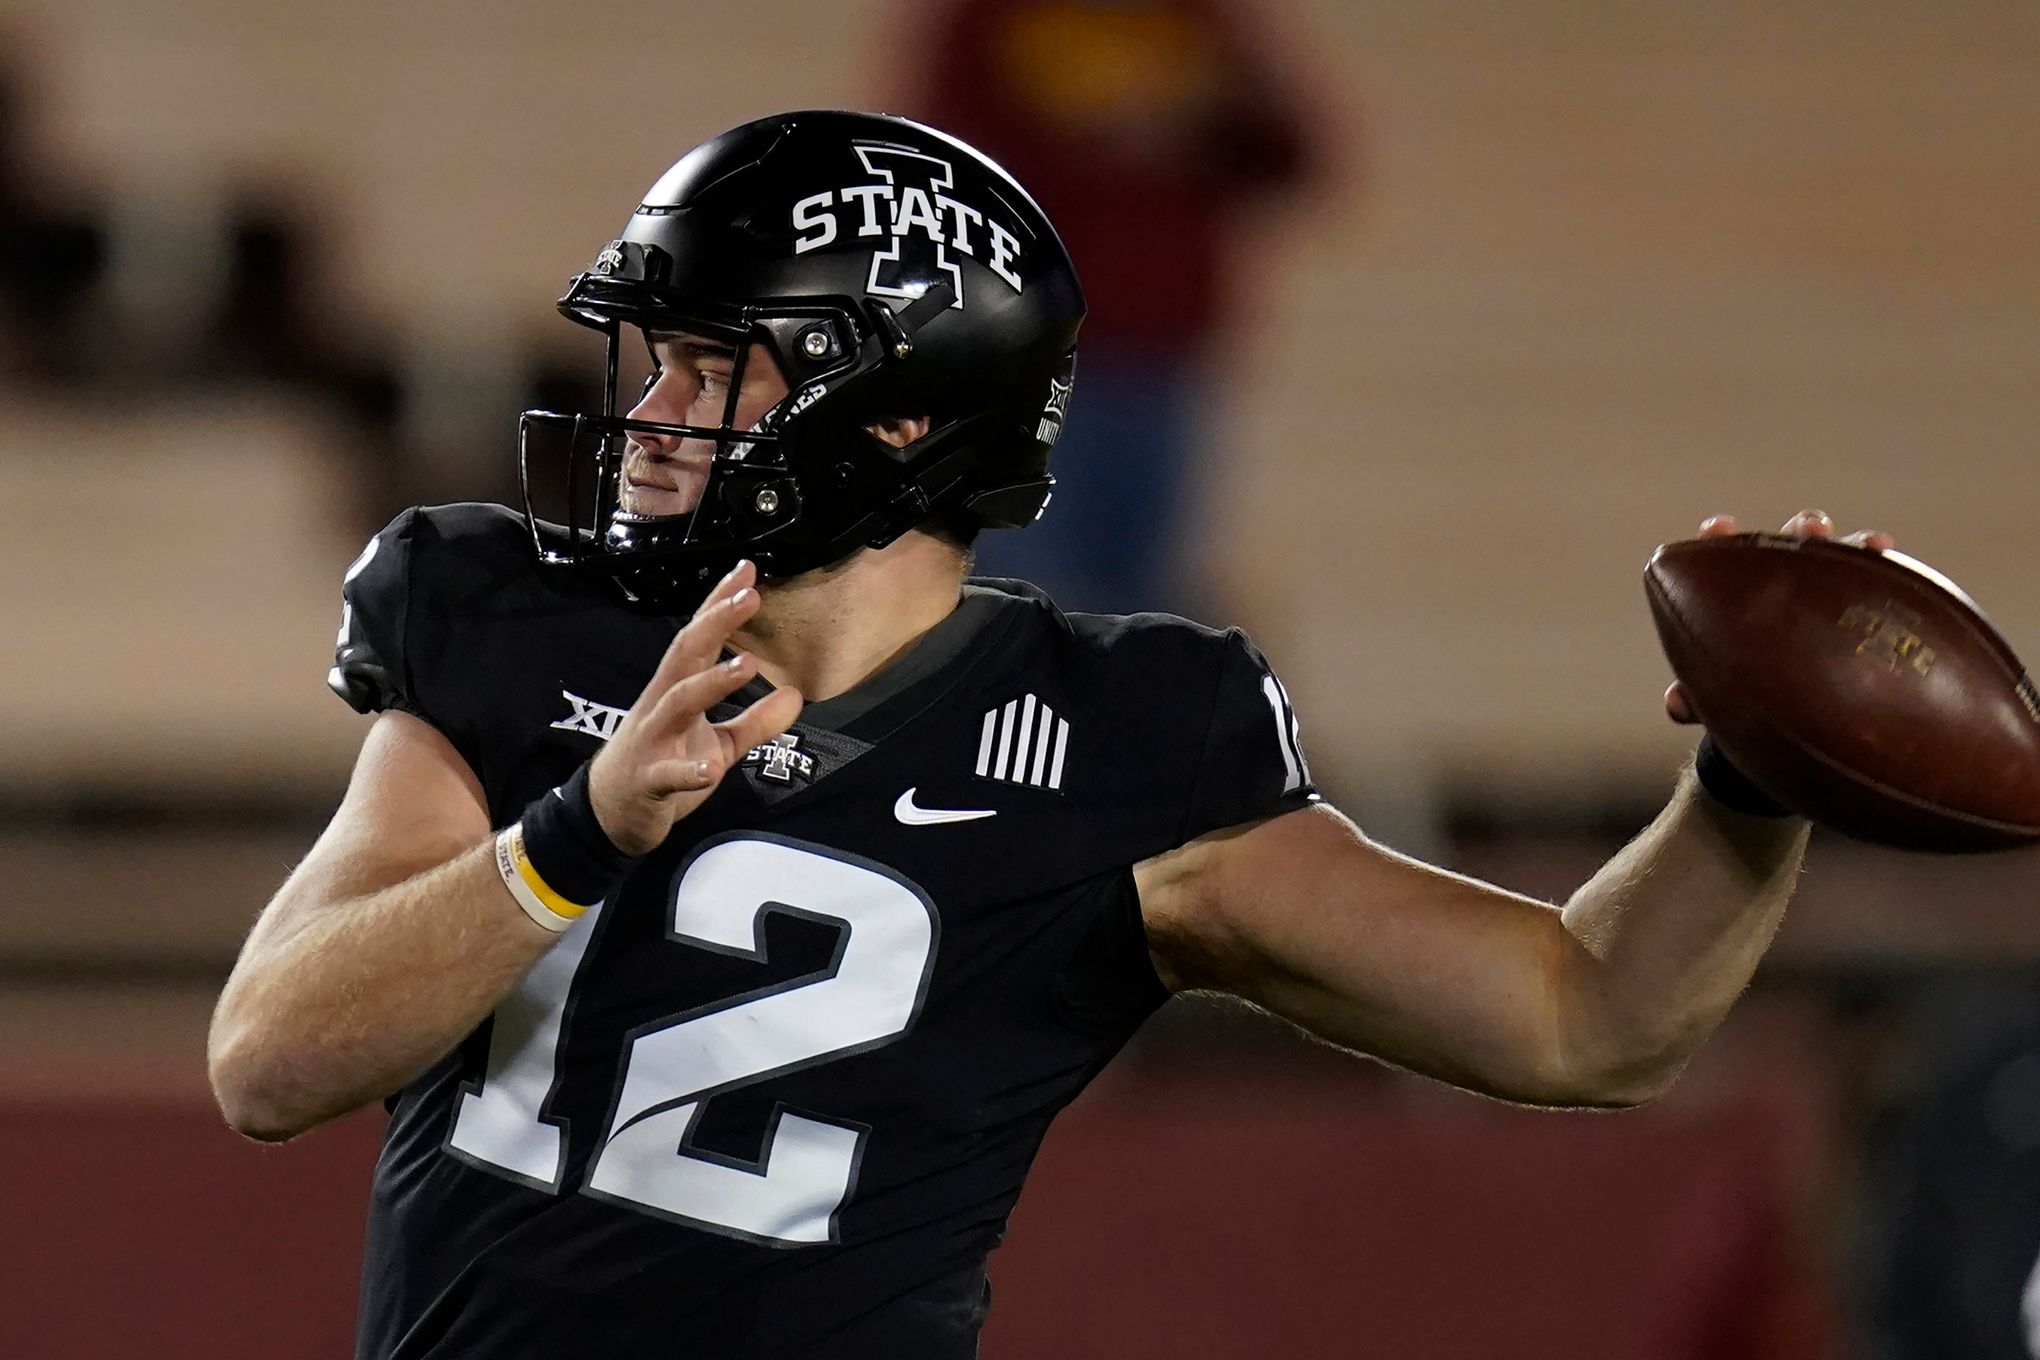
[{"x": 1416, "y": 327}]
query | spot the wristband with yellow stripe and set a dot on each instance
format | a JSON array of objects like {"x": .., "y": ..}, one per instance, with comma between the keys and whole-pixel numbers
[
  {"x": 540, "y": 902},
  {"x": 556, "y": 859}
]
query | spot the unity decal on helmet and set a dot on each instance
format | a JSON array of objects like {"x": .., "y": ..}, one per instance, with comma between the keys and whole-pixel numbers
[{"x": 912, "y": 208}]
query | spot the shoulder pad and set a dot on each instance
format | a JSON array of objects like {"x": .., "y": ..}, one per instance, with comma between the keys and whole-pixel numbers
[
  {"x": 1229, "y": 708},
  {"x": 449, "y": 550},
  {"x": 369, "y": 669},
  {"x": 1253, "y": 765}
]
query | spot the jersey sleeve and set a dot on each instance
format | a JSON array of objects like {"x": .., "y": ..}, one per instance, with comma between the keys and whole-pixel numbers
[
  {"x": 1252, "y": 765},
  {"x": 371, "y": 663}
]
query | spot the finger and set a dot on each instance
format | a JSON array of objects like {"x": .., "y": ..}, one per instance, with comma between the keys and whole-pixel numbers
[
  {"x": 1677, "y": 706},
  {"x": 668, "y": 777},
  {"x": 745, "y": 573},
  {"x": 760, "y": 723},
  {"x": 696, "y": 647},
  {"x": 1873, "y": 539},
  {"x": 1810, "y": 524},
  {"x": 693, "y": 695},
  {"x": 1717, "y": 526},
  {"x": 685, "y": 654}
]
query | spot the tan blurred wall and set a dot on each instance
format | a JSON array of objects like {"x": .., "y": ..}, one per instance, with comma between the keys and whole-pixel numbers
[
  {"x": 1617, "y": 266},
  {"x": 1597, "y": 269}
]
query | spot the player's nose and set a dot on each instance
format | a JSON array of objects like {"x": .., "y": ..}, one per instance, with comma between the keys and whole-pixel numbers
[{"x": 658, "y": 406}]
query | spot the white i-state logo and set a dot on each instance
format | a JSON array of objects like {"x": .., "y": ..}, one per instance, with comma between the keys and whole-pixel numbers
[
  {"x": 778, "y": 761},
  {"x": 912, "y": 209},
  {"x": 1024, "y": 742}
]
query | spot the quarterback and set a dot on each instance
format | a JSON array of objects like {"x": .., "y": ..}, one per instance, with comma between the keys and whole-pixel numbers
[{"x": 730, "y": 890}]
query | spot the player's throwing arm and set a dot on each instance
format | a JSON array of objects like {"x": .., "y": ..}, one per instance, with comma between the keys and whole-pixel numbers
[
  {"x": 1597, "y": 1003},
  {"x": 409, "y": 921}
]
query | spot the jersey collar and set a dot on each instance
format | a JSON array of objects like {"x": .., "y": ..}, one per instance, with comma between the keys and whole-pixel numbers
[{"x": 984, "y": 615}]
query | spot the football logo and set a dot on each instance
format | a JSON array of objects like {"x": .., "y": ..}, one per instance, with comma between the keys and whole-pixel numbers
[
  {"x": 911, "y": 208},
  {"x": 1054, "y": 412}
]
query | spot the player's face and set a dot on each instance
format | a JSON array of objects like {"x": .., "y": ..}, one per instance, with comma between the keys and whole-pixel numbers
[{"x": 689, "y": 385}]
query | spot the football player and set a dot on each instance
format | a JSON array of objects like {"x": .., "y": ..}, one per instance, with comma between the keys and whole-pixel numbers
[{"x": 730, "y": 892}]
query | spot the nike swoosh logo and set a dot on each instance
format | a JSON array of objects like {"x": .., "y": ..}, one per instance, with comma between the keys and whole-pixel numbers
[{"x": 911, "y": 815}]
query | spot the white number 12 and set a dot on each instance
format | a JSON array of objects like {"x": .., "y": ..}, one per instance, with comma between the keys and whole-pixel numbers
[{"x": 868, "y": 997}]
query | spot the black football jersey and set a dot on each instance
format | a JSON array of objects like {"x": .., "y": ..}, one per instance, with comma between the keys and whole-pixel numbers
[{"x": 776, "y": 1096}]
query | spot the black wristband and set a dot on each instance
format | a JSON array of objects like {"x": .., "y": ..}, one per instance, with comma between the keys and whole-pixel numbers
[
  {"x": 568, "y": 847},
  {"x": 1729, "y": 786}
]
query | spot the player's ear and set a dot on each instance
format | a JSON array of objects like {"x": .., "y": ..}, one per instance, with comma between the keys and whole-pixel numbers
[{"x": 900, "y": 431}]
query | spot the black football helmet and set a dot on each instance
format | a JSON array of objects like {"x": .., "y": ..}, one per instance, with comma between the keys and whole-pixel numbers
[{"x": 891, "y": 271}]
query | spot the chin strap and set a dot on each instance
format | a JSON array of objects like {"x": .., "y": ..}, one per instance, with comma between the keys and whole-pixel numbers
[
  {"x": 1015, "y": 506},
  {"x": 898, "y": 328}
]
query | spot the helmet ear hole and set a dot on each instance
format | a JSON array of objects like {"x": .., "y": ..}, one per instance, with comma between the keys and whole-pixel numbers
[{"x": 902, "y": 432}]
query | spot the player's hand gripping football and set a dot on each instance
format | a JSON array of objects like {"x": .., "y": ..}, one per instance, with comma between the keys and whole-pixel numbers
[
  {"x": 1805, "y": 524},
  {"x": 666, "y": 756}
]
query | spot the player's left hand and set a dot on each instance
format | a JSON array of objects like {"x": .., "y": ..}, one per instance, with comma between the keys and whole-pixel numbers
[
  {"x": 666, "y": 757},
  {"x": 1805, "y": 524}
]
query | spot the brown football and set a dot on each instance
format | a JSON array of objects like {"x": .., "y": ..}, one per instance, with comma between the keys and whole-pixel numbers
[{"x": 1860, "y": 688}]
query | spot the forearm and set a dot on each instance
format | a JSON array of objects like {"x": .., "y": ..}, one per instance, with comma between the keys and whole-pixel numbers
[
  {"x": 339, "y": 999},
  {"x": 1668, "y": 934}
]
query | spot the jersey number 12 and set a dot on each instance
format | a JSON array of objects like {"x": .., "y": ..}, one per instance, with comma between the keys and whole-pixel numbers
[{"x": 868, "y": 997}]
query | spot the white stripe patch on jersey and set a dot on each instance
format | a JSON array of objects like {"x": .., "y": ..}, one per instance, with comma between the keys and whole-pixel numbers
[
  {"x": 1023, "y": 742},
  {"x": 1295, "y": 770}
]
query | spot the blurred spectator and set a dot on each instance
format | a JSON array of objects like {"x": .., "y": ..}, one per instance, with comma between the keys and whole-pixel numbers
[
  {"x": 1144, "y": 126},
  {"x": 51, "y": 254},
  {"x": 268, "y": 321},
  {"x": 274, "y": 322}
]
